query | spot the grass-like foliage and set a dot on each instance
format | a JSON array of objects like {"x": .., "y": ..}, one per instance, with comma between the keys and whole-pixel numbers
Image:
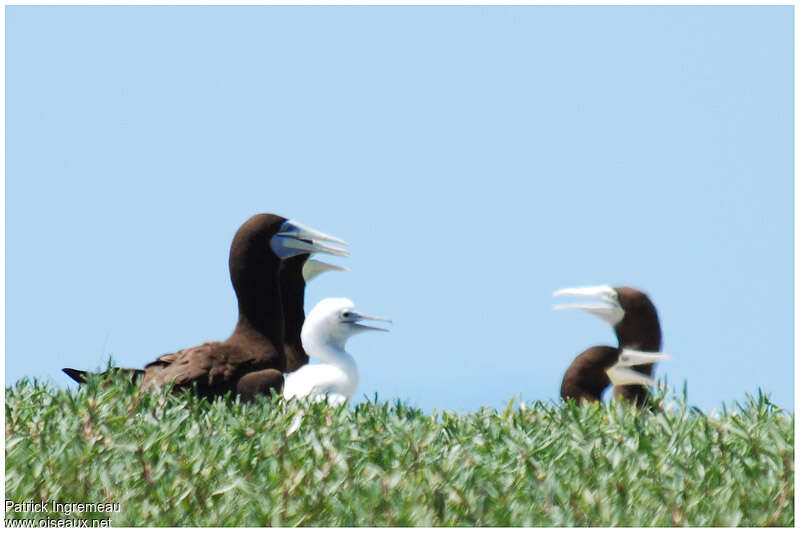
[{"x": 174, "y": 460}]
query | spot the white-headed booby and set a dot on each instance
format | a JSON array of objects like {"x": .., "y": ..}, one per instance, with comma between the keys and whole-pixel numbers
[{"x": 326, "y": 330}]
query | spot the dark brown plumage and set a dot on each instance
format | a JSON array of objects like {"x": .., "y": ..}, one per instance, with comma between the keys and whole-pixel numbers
[
  {"x": 295, "y": 273},
  {"x": 639, "y": 329},
  {"x": 293, "y": 290},
  {"x": 635, "y": 322},
  {"x": 586, "y": 377},
  {"x": 251, "y": 361}
]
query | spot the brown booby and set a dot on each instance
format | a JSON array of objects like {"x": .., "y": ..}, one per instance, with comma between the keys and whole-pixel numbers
[
  {"x": 600, "y": 366},
  {"x": 635, "y": 321},
  {"x": 295, "y": 272},
  {"x": 251, "y": 361}
]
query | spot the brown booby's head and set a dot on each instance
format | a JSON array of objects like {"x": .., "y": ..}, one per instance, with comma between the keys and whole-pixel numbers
[
  {"x": 586, "y": 377},
  {"x": 264, "y": 240},
  {"x": 258, "y": 248},
  {"x": 629, "y": 311}
]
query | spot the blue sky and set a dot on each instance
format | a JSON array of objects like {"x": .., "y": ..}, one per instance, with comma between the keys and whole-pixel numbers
[{"x": 476, "y": 159}]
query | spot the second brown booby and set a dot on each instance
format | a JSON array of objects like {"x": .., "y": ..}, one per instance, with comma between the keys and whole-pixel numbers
[
  {"x": 600, "y": 366},
  {"x": 251, "y": 361},
  {"x": 295, "y": 273},
  {"x": 635, "y": 321}
]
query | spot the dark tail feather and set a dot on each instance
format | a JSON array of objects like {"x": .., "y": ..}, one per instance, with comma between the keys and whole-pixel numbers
[
  {"x": 80, "y": 375},
  {"x": 77, "y": 375}
]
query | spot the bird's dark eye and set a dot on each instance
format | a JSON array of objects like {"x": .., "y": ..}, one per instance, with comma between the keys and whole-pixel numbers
[{"x": 347, "y": 314}]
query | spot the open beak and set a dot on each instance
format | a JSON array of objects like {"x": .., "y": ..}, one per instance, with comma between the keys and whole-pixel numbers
[
  {"x": 294, "y": 238},
  {"x": 622, "y": 374},
  {"x": 630, "y": 357},
  {"x": 608, "y": 309},
  {"x": 356, "y": 317},
  {"x": 313, "y": 268}
]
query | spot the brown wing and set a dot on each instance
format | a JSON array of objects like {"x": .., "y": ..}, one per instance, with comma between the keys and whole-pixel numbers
[
  {"x": 213, "y": 367},
  {"x": 202, "y": 365}
]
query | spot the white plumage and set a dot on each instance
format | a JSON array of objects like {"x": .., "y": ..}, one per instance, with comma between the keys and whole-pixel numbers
[{"x": 325, "y": 332}]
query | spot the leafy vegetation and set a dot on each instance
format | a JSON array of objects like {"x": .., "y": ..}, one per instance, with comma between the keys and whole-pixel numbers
[{"x": 175, "y": 460}]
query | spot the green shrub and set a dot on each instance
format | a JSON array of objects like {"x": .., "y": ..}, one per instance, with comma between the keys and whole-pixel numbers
[{"x": 175, "y": 460}]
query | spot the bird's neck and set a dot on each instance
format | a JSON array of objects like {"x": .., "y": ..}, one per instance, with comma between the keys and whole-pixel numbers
[
  {"x": 292, "y": 287},
  {"x": 334, "y": 354},
  {"x": 640, "y": 334},
  {"x": 260, "y": 315}
]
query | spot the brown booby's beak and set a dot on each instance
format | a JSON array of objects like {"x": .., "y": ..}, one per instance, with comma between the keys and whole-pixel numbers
[
  {"x": 313, "y": 268},
  {"x": 294, "y": 238},
  {"x": 609, "y": 309},
  {"x": 622, "y": 374}
]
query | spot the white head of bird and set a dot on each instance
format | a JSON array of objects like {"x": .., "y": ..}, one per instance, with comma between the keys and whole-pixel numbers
[
  {"x": 331, "y": 323},
  {"x": 325, "y": 332}
]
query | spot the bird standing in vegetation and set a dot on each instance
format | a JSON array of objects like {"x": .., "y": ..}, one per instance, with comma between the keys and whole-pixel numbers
[
  {"x": 600, "y": 366},
  {"x": 251, "y": 361},
  {"x": 635, "y": 321},
  {"x": 326, "y": 330}
]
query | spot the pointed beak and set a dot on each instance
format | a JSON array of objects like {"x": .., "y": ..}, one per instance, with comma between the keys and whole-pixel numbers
[
  {"x": 602, "y": 292},
  {"x": 609, "y": 310},
  {"x": 356, "y": 317},
  {"x": 622, "y": 374},
  {"x": 630, "y": 357},
  {"x": 313, "y": 268},
  {"x": 308, "y": 240}
]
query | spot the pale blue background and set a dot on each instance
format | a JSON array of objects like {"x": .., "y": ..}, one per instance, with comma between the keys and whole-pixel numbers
[{"x": 477, "y": 159}]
